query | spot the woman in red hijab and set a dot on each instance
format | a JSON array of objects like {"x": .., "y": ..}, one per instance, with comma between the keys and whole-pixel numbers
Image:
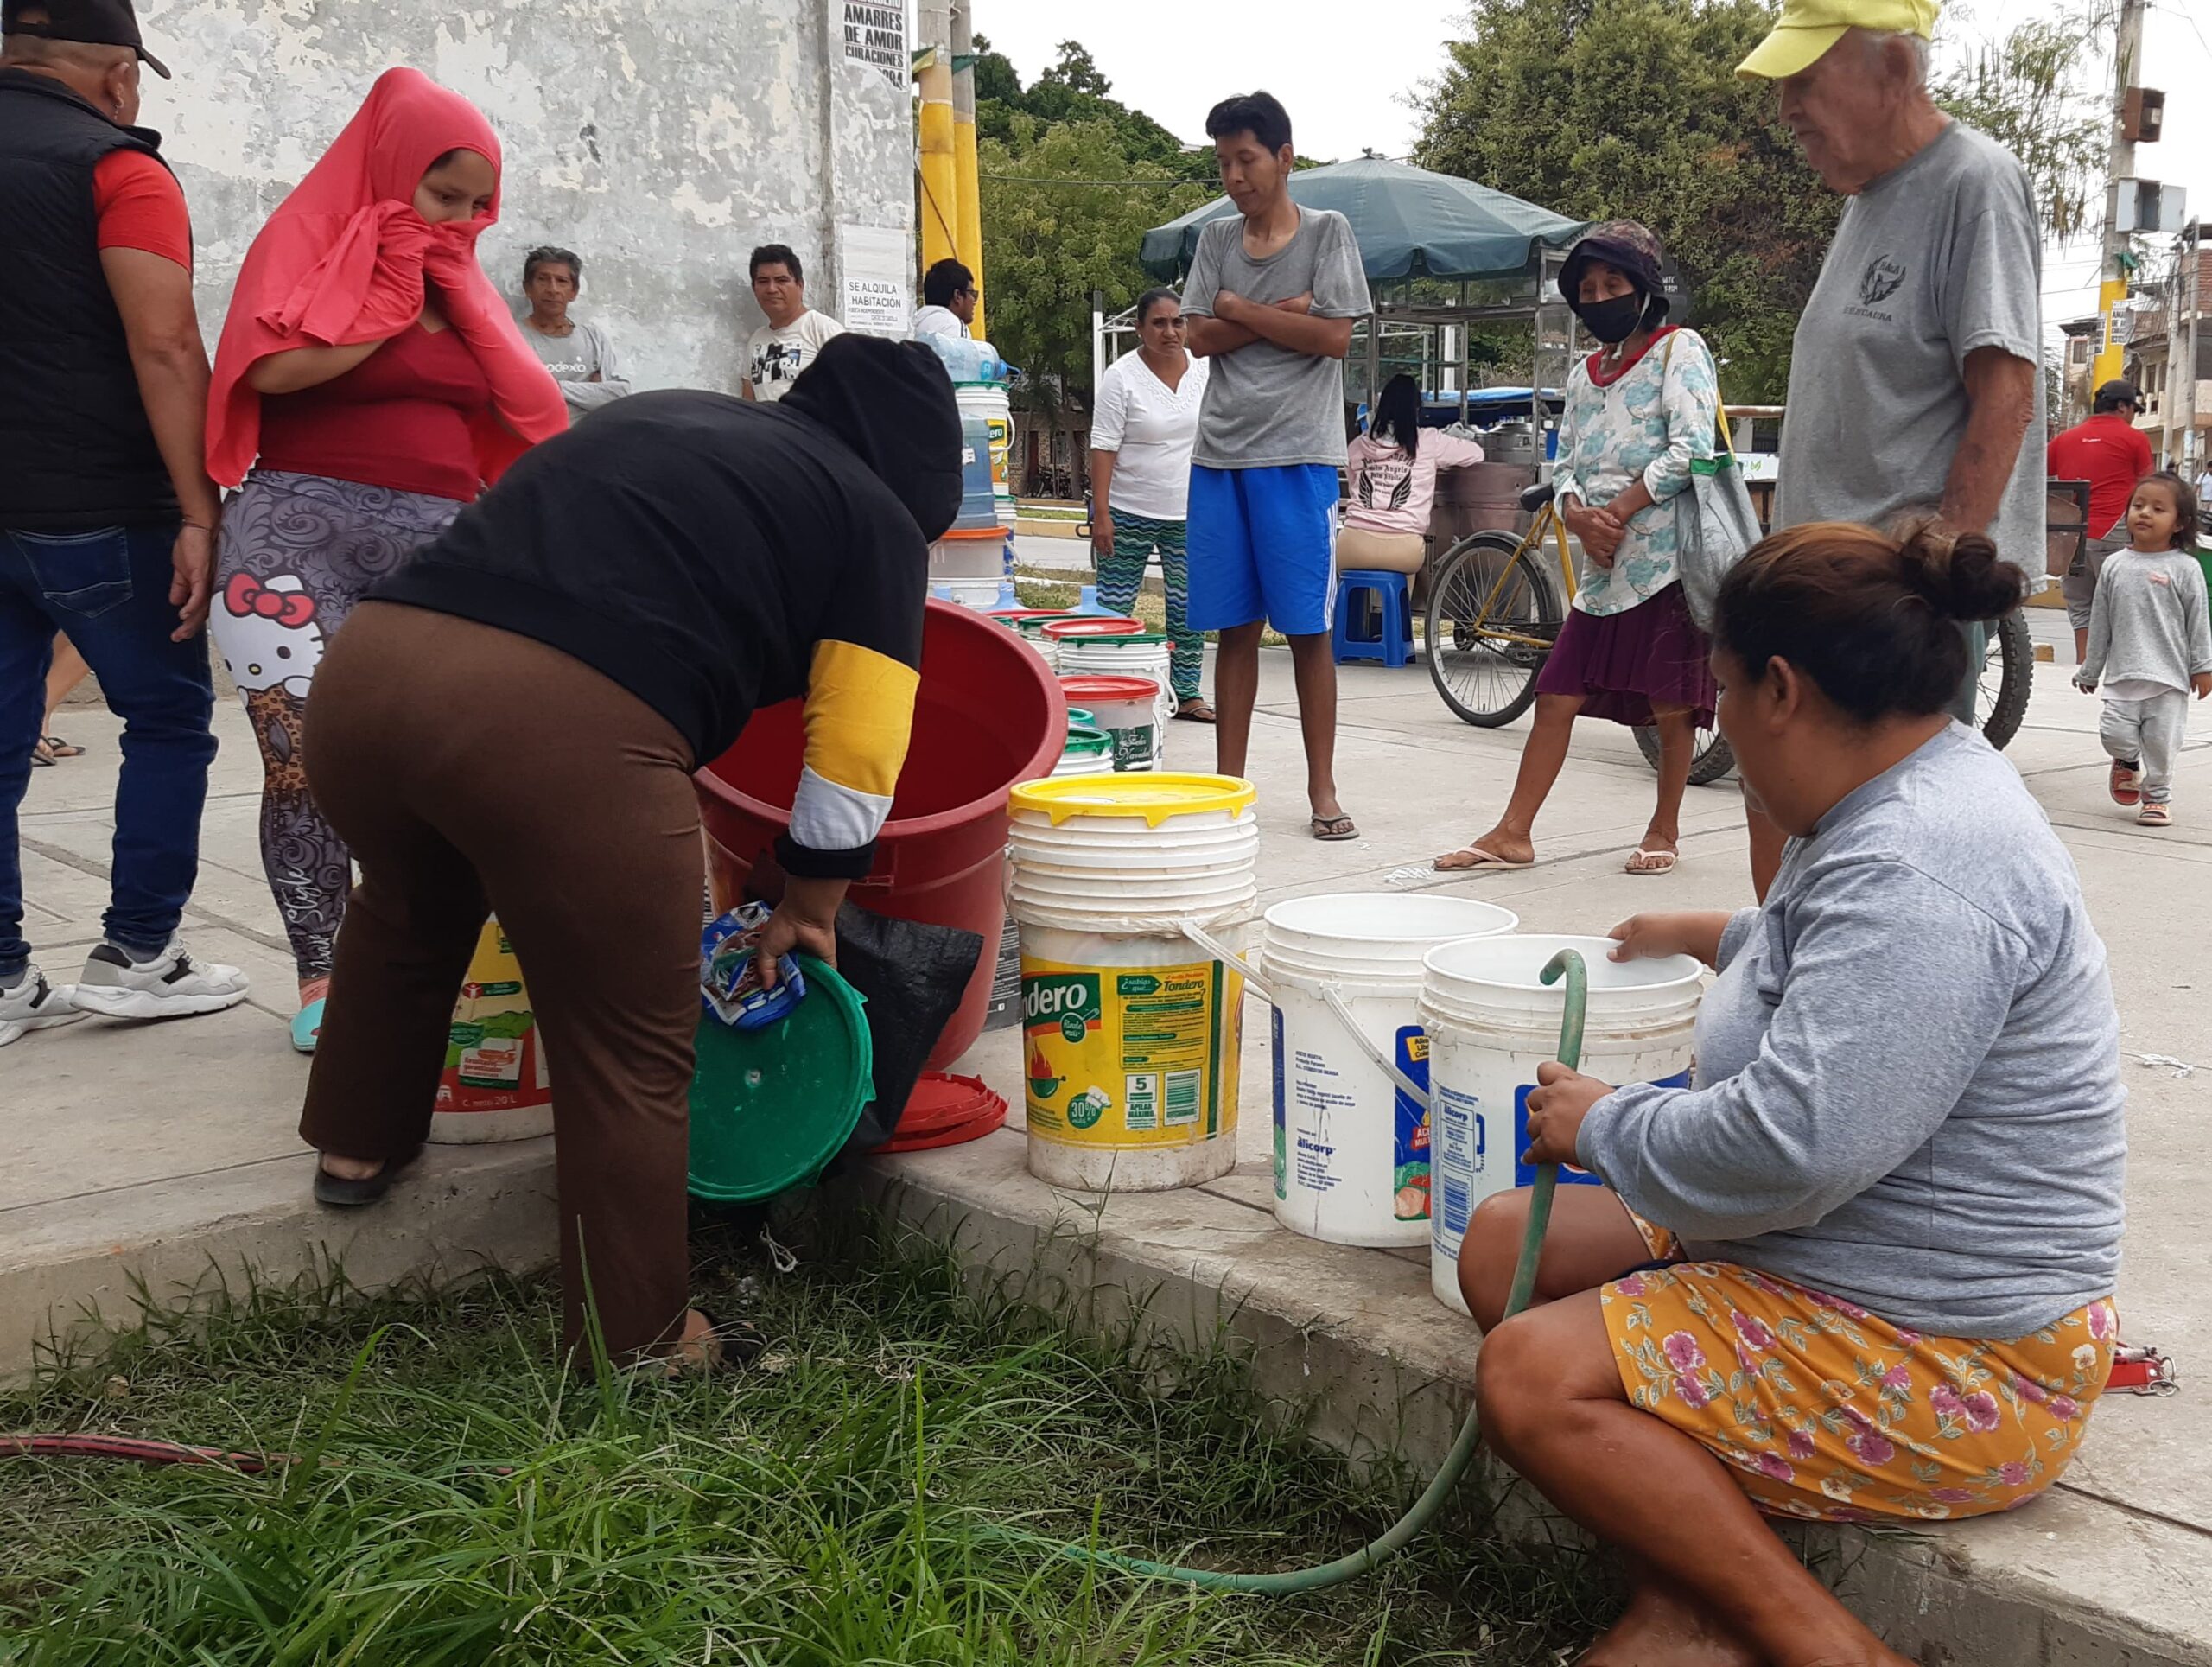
[{"x": 372, "y": 380}]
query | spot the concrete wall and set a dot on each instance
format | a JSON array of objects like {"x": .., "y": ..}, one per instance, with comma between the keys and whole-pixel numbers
[{"x": 659, "y": 141}]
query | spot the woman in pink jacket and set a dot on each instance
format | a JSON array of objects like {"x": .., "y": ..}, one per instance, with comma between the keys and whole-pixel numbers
[{"x": 1392, "y": 470}]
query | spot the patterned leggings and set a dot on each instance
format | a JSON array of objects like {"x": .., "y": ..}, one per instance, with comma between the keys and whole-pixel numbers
[
  {"x": 1136, "y": 538},
  {"x": 298, "y": 552}
]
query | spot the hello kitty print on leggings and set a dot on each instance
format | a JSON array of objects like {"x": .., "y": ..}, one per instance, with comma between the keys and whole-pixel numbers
[{"x": 298, "y": 550}]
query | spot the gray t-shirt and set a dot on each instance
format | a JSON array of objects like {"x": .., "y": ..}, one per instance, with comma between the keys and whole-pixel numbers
[
  {"x": 2150, "y": 622},
  {"x": 575, "y": 359},
  {"x": 1265, "y": 405},
  {"x": 1939, "y": 257},
  {"x": 1908, "y": 1090}
]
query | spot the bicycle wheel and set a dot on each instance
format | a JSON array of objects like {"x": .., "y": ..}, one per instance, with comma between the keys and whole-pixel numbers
[
  {"x": 1709, "y": 761},
  {"x": 2006, "y": 676},
  {"x": 1493, "y": 618}
]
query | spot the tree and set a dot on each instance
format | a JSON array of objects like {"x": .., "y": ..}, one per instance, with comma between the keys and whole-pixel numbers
[
  {"x": 1051, "y": 235},
  {"x": 1598, "y": 108},
  {"x": 2032, "y": 92},
  {"x": 1048, "y": 240}
]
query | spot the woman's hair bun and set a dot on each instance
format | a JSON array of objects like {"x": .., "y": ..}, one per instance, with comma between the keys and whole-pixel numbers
[{"x": 1960, "y": 574}]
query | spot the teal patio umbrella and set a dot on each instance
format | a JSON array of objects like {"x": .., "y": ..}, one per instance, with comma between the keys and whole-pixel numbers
[{"x": 1408, "y": 223}]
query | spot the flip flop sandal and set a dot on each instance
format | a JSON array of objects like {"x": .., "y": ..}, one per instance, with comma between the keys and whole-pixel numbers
[
  {"x": 1655, "y": 861},
  {"x": 2154, "y": 815},
  {"x": 1485, "y": 861},
  {"x": 1335, "y": 828},
  {"x": 2123, "y": 782},
  {"x": 344, "y": 1195},
  {"x": 57, "y": 748},
  {"x": 1196, "y": 711},
  {"x": 40, "y": 761}
]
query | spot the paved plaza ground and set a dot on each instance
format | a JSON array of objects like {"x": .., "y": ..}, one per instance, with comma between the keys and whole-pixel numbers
[{"x": 163, "y": 1152}]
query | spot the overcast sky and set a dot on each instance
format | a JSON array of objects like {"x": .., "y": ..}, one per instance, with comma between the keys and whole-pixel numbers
[{"x": 1350, "y": 90}]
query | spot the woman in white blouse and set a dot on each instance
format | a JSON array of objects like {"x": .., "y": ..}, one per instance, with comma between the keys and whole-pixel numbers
[{"x": 1142, "y": 428}]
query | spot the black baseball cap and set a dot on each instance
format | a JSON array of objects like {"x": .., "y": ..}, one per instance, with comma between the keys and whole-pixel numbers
[
  {"x": 2117, "y": 392},
  {"x": 88, "y": 22}
]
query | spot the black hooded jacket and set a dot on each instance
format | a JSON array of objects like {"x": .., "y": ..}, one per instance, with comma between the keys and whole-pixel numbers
[{"x": 714, "y": 555}]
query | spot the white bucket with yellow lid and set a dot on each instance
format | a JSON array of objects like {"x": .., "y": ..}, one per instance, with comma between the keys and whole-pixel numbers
[{"x": 1131, "y": 1025}]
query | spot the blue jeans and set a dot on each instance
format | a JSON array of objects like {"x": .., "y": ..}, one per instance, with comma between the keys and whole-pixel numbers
[{"x": 108, "y": 591}]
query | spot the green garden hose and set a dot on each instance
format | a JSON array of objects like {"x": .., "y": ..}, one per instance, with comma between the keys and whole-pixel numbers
[{"x": 1566, "y": 964}]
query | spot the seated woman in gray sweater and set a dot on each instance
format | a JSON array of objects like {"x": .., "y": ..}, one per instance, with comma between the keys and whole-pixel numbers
[{"x": 1862, "y": 1268}]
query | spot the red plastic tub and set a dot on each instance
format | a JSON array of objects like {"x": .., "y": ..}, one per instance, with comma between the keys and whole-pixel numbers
[{"x": 989, "y": 714}]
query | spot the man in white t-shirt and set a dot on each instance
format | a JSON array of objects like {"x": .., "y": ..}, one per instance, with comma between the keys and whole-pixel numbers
[{"x": 787, "y": 344}]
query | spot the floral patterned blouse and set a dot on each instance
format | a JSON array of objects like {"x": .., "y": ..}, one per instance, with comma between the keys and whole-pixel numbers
[{"x": 1650, "y": 420}]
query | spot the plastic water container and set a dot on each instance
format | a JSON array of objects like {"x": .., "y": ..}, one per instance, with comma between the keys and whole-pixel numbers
[
  {"x": 1130, "y": 1028},
  {"x": 988, "y": 401},
  {"x": 968, "y": 553},
  {"x": 1491, "y": 1022},
  {"x": 1343, "y": 972},
  {"x": 1126, "y": 708},
  {"x": 978, "y": 508},
  {"x": 1143, "y": 654},
  {"x": 976, "y": 593},
  {"x": 1087, "y": 752}
]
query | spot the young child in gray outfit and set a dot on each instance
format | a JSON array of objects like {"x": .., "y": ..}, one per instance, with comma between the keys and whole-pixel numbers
[{"x": 2150, "y": 645}]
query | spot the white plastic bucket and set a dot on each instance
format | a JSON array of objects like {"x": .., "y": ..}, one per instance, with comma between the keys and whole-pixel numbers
[
  {"x": 1351, "y": 1158},
  {"x": 988, "y": 401},
  {"x": 968, "y": 555},
  {"x": 1129, "y": 713},
  {"x": 1145, "y": 656},
  {"x": 1130, "y": 1028},
  {"x": 1491, "y": 1021},
  {"x": 1085, "y": 753}
]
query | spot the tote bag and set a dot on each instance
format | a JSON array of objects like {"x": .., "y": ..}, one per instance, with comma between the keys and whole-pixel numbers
[{"x": 1714, "y": 522}]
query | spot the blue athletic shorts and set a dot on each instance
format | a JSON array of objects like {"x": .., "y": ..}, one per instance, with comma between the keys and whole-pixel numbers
[{"x": 1262, "y": 547}]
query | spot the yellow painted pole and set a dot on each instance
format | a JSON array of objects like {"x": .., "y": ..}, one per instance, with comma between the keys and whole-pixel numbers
[
  {"x": 970, "y": 223},
  {"x": 940, "y": 169}
]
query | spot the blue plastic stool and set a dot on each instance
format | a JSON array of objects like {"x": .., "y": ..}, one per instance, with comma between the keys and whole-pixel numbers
[{"x": 1393, "y": 644}]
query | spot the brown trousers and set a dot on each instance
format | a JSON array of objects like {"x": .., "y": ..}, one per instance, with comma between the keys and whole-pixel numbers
[{"x": 468, "y": 768}]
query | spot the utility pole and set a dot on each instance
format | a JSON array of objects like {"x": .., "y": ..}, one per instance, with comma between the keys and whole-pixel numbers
[
  {"x": 940, "y": 168},
  {"x": 2193, "y": 448},
  {"x": 2113, "y": 293},
  {"x": 969, "y": 227}
]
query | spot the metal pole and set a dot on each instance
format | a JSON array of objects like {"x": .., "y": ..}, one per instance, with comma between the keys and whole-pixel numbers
[
  {"x": 969, "y": 226},
  {"x": 2193, "y": 295},
  {"x": 940, "y": 172},
  {"x": 2121, "y": 165}
]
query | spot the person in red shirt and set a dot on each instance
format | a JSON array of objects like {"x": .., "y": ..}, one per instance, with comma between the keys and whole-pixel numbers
[
  {"x": 2111, "y": 455},
  {"x": 373, "y": 380}
]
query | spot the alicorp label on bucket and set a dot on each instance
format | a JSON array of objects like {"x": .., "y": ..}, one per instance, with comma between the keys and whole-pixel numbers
[
  {"x": 1525, "y": 1173},
  {"x": 1410, "y": 1175},
  {"x": 493, "y": 1061},
  {"x": 1125, "y": 1059}
]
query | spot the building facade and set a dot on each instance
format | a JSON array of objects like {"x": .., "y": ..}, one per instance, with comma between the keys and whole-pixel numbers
[{"x": 661, "y": 143}]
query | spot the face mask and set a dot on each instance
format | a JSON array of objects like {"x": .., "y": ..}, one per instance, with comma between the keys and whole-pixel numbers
[{"x": 1613, "y": 320}]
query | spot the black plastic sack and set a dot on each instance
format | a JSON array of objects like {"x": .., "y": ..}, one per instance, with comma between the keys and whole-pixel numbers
[{"x": 913, "y": 976}]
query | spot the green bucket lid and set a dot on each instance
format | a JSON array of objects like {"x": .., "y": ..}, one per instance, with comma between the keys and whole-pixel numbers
[
  {"x": 770, "y": 1107},
  {"x": 1079, "y": 719},
  {"x": 1084, "y": 742}
]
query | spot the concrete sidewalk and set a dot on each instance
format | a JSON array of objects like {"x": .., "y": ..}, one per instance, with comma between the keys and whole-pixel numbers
[{"x": 166, "y": 1154}]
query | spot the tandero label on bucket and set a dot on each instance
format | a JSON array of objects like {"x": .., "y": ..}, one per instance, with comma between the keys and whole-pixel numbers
[{"x": 1128, "y": 1059}]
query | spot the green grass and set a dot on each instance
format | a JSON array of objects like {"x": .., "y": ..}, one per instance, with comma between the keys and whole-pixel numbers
[{"x": 840, "y": 1502}]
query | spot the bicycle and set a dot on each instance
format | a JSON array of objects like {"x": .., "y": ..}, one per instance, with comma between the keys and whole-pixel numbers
[{"x": 1493, "y": 612}]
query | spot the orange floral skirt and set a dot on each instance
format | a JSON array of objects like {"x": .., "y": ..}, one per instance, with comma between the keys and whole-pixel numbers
[{"x": 1828, "y": 1412}]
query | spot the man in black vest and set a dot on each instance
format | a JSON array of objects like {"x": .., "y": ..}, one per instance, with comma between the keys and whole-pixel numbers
[{"x": 107, "y": 517}]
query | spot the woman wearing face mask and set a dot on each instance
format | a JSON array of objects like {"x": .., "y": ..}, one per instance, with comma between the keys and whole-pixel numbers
[
  {"x": 373, "y": 381},
  {"x": 1639, "y": 412}
]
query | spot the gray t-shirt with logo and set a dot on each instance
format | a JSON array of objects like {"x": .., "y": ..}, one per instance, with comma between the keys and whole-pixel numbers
[
  {"x": 1939, "y": 257},
  {"x": 1268, "y": 406}
]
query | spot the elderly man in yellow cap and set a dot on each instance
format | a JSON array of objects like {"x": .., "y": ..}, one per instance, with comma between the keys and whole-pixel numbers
[{"x": 1913, "y": 381}]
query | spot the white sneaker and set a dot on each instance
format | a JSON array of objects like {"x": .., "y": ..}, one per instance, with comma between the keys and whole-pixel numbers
[
  {"x": 172, "y": 985},
  {"x": 31, "y": 1004}
]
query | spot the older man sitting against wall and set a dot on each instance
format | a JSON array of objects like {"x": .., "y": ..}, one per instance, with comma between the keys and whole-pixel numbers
[{"x": 1913, "y": 380}]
